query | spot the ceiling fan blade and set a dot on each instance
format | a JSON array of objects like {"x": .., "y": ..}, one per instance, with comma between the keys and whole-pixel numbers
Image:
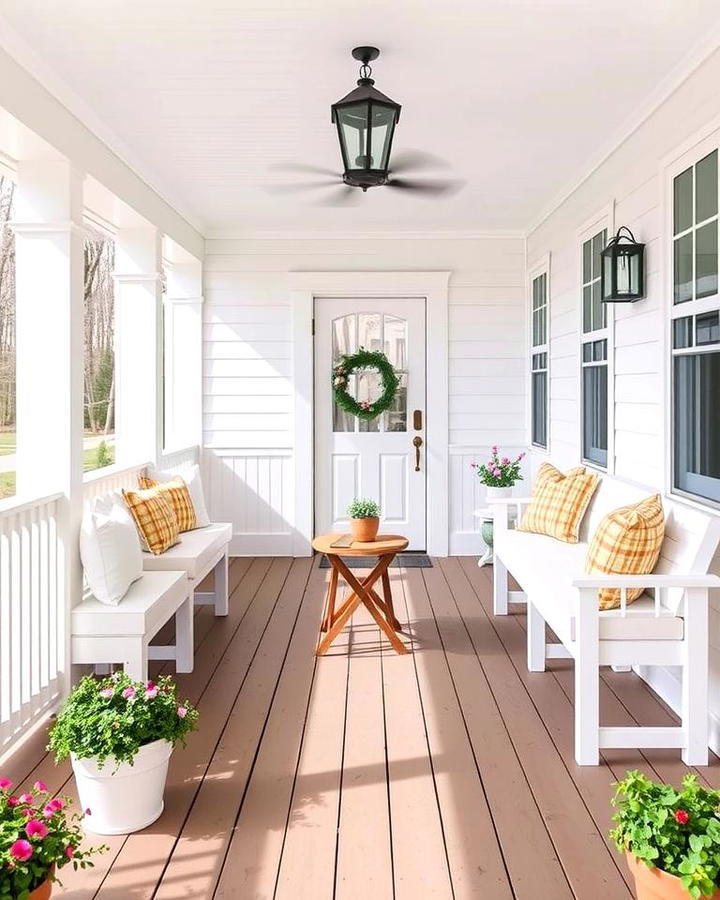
[
  {"x": 409, "y": 160},
  {"x": 345, "y": 196},
  {"x": 433, "y": 188},
  {"x": 301, "y": 186},
  {"x": 303, "y": 169}
]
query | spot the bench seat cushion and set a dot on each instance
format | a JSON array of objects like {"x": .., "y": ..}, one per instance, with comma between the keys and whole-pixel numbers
[
  {"x": 148, "y": 604},
  {"x": 195, "y": 553},
  {"x": 545, "y": 568}
]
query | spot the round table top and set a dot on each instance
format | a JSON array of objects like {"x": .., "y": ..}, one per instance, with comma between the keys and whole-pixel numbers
[{"x": 382, "y": 545}]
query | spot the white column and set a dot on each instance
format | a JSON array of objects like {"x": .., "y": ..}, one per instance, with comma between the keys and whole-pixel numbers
[
  {"x": 49, "y": 284},
  {"x": 138, "y": 356},
  {"x": 183, "y": 309}
]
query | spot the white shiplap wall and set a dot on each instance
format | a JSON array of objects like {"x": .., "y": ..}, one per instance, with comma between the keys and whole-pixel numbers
[
  {"x": 633, "y": 179},
  {"x": 248, "y": 429}
]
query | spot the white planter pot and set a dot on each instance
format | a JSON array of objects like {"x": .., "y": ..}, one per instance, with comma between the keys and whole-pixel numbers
[
  {"x": 123, "y": 798},
  {"x": 497, "y": 493}
]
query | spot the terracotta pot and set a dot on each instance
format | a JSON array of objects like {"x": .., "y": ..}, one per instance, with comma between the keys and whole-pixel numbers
[
  {"x": 654, "y": 884},
  {"x": 364, "y": 530},
  {"x": 42, "y": 891}
]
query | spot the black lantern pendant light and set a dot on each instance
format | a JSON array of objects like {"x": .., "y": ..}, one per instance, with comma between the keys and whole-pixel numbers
[
  {"x": 622, "y": 273},
  {"x": 366, "y": 121}
]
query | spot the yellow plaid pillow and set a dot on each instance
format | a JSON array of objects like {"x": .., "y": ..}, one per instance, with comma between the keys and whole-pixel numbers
[
  {"x": 178, "y": 494},
  {"x": 627, "y": 542},
  {"x": 154, "y": 518},
  {"x": 559, "y": 503}
]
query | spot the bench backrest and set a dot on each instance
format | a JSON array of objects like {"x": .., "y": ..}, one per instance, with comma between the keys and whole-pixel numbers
[{"x": 691, "y": 535}]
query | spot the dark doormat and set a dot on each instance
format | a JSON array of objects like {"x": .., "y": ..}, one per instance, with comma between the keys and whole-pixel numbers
[{"x": 402, "y": 560}]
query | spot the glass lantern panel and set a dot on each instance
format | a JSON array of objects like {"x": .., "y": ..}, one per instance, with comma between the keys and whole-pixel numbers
[
  {"x": 623, "y": 267},
  {"x": 607, "y": 262},
  {"x": 383, "y": 125},
  {"x": 706, "y": 260},
  {"x": 353, "y": 126},
  {"x": 706, "y": 187}
]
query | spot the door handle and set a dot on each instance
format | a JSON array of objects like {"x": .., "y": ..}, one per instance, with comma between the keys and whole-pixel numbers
[{"x": 417, "y": 444}]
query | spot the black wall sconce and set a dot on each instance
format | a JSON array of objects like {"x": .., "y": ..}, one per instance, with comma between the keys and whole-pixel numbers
[{"x": 622, "y": 274}]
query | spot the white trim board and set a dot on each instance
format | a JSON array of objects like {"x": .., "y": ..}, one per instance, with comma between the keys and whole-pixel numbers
[{"x": 304, "y": 287}]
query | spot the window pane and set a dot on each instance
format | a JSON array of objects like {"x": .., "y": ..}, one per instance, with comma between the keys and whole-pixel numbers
[
  {"x": 370, "y": 331},
  {"x": 599, "y": 310},
  {"x": 707, "y": 329},
  {"x": 99, "y": 442},
  {"x": 7, "y": 341},
  {"x": 706, "y": 260},
  {"x": 697, "y": 424},
  {"x": 587, "y": 352},
  {"x": 598, "y": 244},
  {"x": 682, "y": 201},
  {"x": 683, "y": 332},
  {"x": 595, "y": 403},
  {"x": 683, "y": 269},
  {"x": 706, "y": 187},
  {"x": 343, "y": 342},
  {"x": 369, "y": 387},
  {"x": 539, "y": 409},
  {"x": 396, "y": 416},
  {"x": 395, "y": 338},
  {"x": 587, "y": 262},
  {"x": 587, "y": 308}
]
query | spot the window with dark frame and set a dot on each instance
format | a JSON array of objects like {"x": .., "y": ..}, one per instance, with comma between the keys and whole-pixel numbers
[
  {"x": 695, "y": 332},
  {"x": 594, "y": 355},
  {"x": 538, "y": 363}
]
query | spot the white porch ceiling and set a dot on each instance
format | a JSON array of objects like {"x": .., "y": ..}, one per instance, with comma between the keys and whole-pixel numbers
[{"x": 205, "y": 97}]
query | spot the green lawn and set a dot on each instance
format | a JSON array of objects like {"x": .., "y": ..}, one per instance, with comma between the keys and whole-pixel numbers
[
  {"x": 90, "y": 462},
  {"x": 7, "y": 484},
  {"x": 7, "y": 442}
]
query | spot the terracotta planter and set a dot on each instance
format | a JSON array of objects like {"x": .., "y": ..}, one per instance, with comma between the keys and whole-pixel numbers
[
  {"x": 42, "y": 891},
  {"x": 654, "y": 884},
  {"x": 364, "y": 530}
]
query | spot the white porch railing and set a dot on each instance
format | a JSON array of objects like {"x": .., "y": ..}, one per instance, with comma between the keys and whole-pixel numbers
[
  {"x": 32, "y": 615},
  {"x": 111, "y": 480}
]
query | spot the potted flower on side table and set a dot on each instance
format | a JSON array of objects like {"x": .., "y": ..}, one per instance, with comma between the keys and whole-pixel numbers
[
  {"x": 671, "y": 838},
  {"x": 119, "y": 735},
  {"x": 364, "y": 519},
  {"x": 498, "y": 474},
  {"x": 38, "y": 836}
]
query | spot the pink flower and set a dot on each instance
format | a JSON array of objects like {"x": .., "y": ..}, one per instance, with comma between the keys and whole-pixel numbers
[
  {"x": 505, "y": 460},
  {"x": 69, "y": 851},
  {"x": 128, "y": 693},
  {"x": 522, "y": 455},
  {"x": 87, "y": 812},
  {"x": 494, "y": 450},
  {"x": 36, "y": 828},
  {"x": 26, "y": 798},
  {"x": 12, "y": 801},
  {"x": 48, "y": 811},
  {"x": 21, "y": 850},
  {"x": 151, "y": 693},
  {"x": 28, "y": 813},
  {"x": 182, "y": 711},
  {"x": 5, "y": 784},
  {"x": 40, "y": 786},
  {"x": 107, "y": 693},
  {"x": 56, "y": 804}
]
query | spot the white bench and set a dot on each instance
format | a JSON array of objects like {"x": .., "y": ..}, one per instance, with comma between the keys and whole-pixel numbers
[
  {"x": 198, "y": 553},
  {"x": 104, "y": 634},
  {"x": 667, "y": 629}
]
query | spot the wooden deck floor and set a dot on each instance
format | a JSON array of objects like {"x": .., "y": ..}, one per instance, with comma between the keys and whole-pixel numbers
[{"x": 447, "y": 773}]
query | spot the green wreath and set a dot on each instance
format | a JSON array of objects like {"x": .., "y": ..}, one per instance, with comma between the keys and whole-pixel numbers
[{"x": 364, "y": 359}]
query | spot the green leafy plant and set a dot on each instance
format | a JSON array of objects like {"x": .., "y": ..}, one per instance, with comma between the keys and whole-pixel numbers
[
  {"x": 104, "y": 456},
  {"x": 363, "y": 508},
  {"x": 111, "y": 718},
  {"x": 676, "y": 831},
  {"x": 358, "y": 362},
  {"x": 38, "y": 836}
]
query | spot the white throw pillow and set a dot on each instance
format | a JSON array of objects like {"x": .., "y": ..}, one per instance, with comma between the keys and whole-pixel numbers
[
  {"x": 190, "y": 474},
  {"x": 110, "y": 549}
]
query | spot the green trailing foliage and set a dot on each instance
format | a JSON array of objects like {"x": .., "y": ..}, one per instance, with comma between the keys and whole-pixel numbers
[
  {"x": 357, "y": 362},
  {"x": 676, "y": 831},
  {"x": 363, "y": 508},
  {"x": 111, "y": 718}
]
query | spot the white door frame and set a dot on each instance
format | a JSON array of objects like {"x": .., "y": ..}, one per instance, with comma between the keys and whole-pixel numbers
[{"x": 304, "y": 288}]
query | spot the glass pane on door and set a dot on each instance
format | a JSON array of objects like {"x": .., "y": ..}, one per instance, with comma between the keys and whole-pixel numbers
[{"x": 343, "y": 341}]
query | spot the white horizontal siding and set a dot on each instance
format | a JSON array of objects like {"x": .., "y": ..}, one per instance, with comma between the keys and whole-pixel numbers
[{"x": 248, "y": 352}]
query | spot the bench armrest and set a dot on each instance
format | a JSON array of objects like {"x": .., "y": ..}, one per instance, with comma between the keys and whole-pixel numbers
[
  {"x": 508, "y": 501},
  {"x": 647, "y": 581},
  {"x": 501, "y": 510}
]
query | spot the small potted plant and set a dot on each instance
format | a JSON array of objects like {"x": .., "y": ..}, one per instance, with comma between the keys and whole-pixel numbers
[
  {"x": 119, "y": 735},
  {"x": 671, "y": 838},
  {"x": 498, "y": 474},
  {"x": 38, "y": 836},
  {"x": 364, "y": 519}
]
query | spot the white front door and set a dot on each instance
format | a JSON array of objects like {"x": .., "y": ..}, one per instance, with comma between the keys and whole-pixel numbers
[{"x": 377, "y": 458}]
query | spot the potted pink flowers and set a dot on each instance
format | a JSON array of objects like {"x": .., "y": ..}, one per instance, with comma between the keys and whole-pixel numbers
[
  {"x": 119, "y": 735},
  {"x": 498, "y": 474},
  {"x": 38, "y": 836}
]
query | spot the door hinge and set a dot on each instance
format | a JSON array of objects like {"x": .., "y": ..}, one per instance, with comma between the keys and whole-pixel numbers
[{"x": 312, "y": 328}]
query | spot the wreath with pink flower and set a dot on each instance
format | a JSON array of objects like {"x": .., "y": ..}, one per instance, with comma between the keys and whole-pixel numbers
[{"x": 357, "y": 362}]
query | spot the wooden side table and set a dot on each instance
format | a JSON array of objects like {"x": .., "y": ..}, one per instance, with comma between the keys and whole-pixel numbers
[{"x": 385, "y": 547}]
